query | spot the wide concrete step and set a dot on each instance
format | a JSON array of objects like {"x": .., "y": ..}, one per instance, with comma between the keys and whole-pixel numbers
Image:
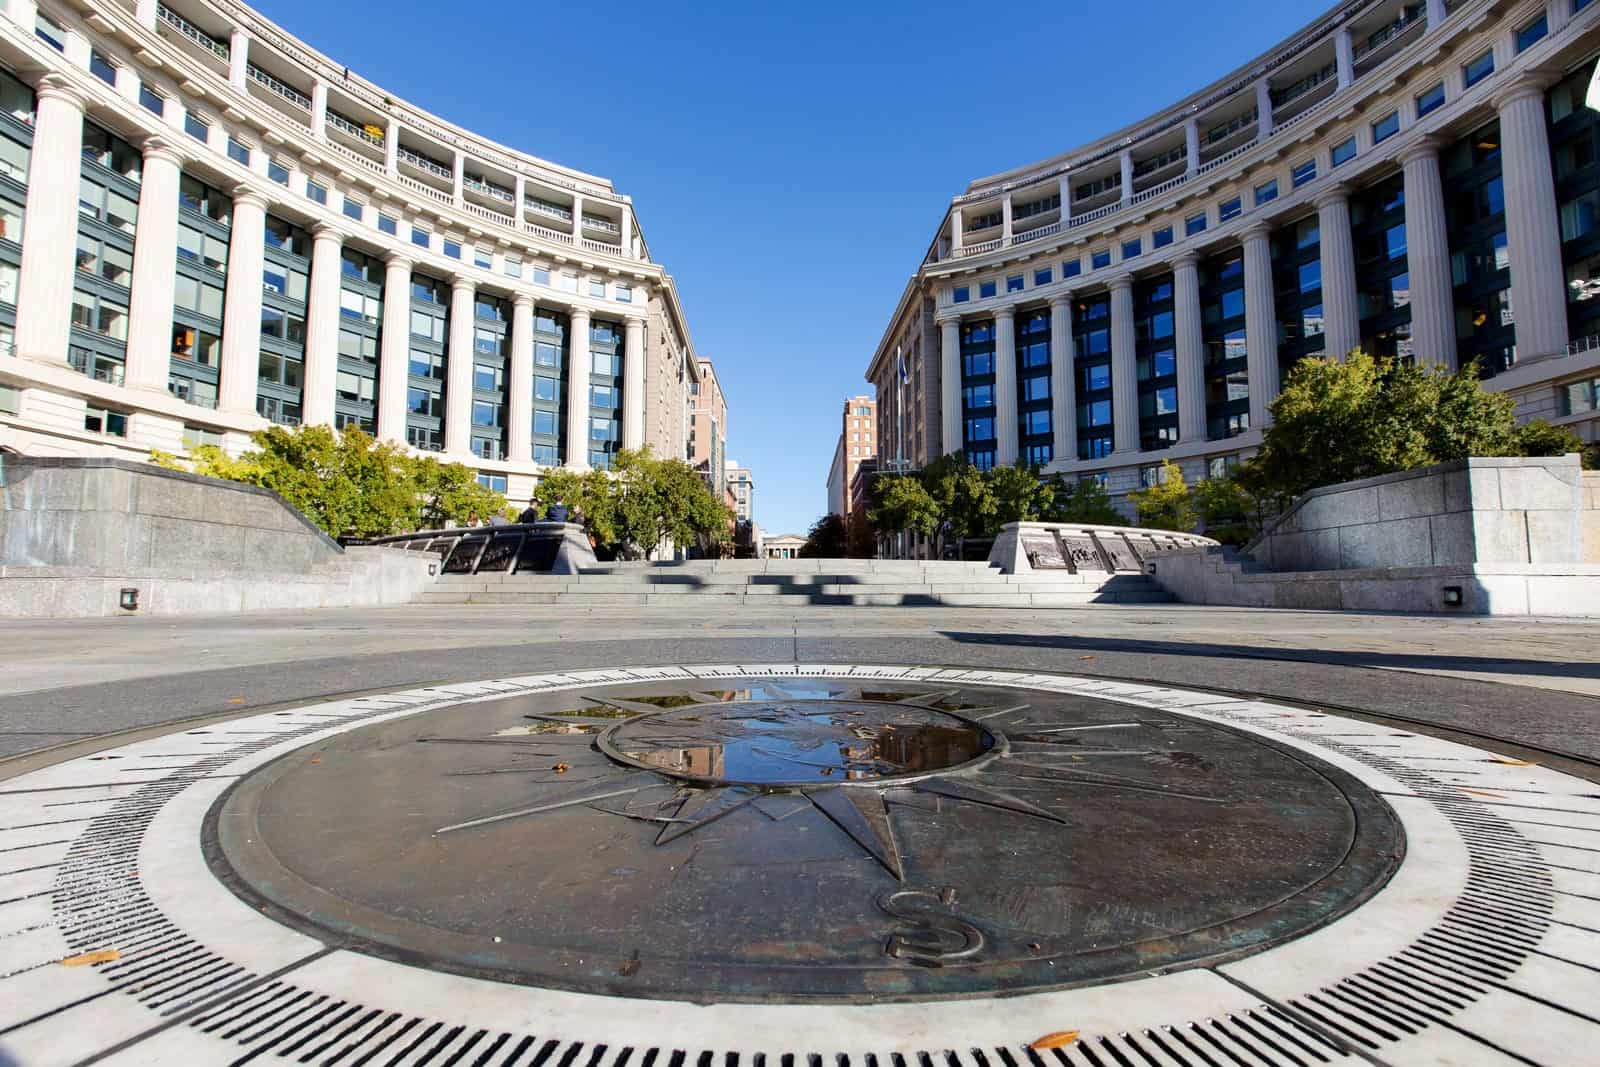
[{"x": 814, "y": 598}]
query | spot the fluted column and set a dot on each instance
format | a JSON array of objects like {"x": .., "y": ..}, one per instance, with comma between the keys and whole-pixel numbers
[
  {"x": 519, "y": 404},
  {"x": 1433, "y": 315},
  {"x": 1005, "y": 386},
  {"x": 950, "y": 385},
  {"x": 633, "y": 361},
  {"x": 458, "y": 368},
  {"x": 1124, "y": 367},
  {"x": 241, "y": 310},
  {"x": 1260, "y": 323},
  {"x": 1125, "y": 167},
  {"x": 50, "y": 221},
  {"x": 1341, "y": 314},
  {"x": 1005, "y": 218},
  {"x": 154, "y": 255},
  {"x": 1191, "y": 145},
  {"x": 1190, "y": 347},
  {"x": 579, "y": 364},
  {"x": 1063, "y": 404},
  {"x": 394, "y": 344},
  {"x": 322, "y": 327},
  {"x": 1263, "y": 109},
  {"x": 1533, "y": 236},
  {"x": 955, "y": 230},
  {"x": 238, "y": 59},
  {"x": 1344, "y": 57}
]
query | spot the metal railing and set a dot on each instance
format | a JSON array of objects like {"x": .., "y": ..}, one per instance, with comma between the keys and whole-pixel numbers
[
  {"x": 487, "y": 188},
  {"x": 555, "y": 211},
  {"x": 422, "y": 162},
  {"x": 193, "y": 32},
  {"x": 603, "y": 225},
  {"x": 340, "y": 122},
  {"x": 1376, "y": 40},
  {"x": 276, "y": 85}
]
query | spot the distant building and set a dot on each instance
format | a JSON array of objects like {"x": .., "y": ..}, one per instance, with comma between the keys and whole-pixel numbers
[
  {"x": 783, "y": 546},
  {"x": 858, "y": 441},
  {"x": 743, "y": 488},
  {"x": 707, "y": 450}
]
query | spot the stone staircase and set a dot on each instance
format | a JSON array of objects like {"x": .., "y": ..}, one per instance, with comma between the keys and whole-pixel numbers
[{"x": 784, "y": 583}]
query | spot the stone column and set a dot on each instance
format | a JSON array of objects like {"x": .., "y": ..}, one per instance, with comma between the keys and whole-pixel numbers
[
  {"x": 1260, "y": 323},
  {"x": 1436, "y": 14},
  {"x": 241, "y": 309},
  {"x": 1190, "y": 347},
  {"x": 579, "y": 365},
  {"x": 319, "y": 109},
  {"x": 458, "y": 368},
  {"x": 1063, "y": 405},
  {"x": 458, "y": 175},
  {"x": 955, "y": 230},
  {"x": 391, "y": 148},
  {"x": 1124, "y": 367},
  {"x": 1064, "y": 191},
  {"x": 950, "y": 385},
  {"x": 1005, "y": 219},
  {"x": 1433, "y": 315},
  {"x": 577, "y": 239},
  {"x": 634, "y": 354},
  {"x": 1533, "y": 234},
  {"x": 1191, "y": 144},
  {"x": 1125, "y": 159},
  {"x": 322, "y": 327},
  {"x": 1344, "y": 57},
  {"x": 1005, "y": 386},
  {"x": 394, "y": 348},
  {"x": 145, "y": 12},
  {"x": 154, "y": 255},
  {"x": 519, "y": 393},
  {"x": 1263, "y": 110},
  {"x": 627, "y": 230},
  {"x": 238, "y": 59},
  {"x": 1341, "y": 314},
  {"x": 50, "y": 221}
]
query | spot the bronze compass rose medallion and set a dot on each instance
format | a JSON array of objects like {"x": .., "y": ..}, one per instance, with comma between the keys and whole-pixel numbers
[{"x": 791, "y": 839}]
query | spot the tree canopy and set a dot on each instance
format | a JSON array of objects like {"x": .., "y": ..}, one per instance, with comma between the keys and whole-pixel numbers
[
  {"x": 828, "y": 538},
  {"x": 347, "y": 483},
  {"x": 641, "y": 503},
  {"x": 1166, "y": 505}
]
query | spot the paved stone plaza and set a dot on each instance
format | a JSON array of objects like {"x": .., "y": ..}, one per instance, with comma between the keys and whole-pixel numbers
[{"x": 751, "y": 837}]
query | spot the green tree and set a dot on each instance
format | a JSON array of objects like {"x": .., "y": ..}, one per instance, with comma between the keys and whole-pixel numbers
[
  {"x": 1166, "y": 505},
  {"x": 450, "y": 494},
  {"x": 1338, "y": 421},
  {"x": 1539, "y": 438},
  {"x": 1020, "y": 495},
  {"x": 901, "y": 503},
  {"x": 640, "y": 504},
  {"x": 963, "y": 496},
  {"x": 1230, "y": 512},
  {"x": 1082, "y": 500},
  {"x": 827, "y": 539}
]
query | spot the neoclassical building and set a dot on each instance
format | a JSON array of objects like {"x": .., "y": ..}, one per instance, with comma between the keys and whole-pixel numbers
[
  {"x": 207, "y": 226},
  {"x": 1416, "y": 179}
]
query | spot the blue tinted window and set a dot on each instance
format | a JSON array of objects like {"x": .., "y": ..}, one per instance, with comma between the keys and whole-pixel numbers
[
  {"x": 1132, "y": 248},
  {"x": 1303, "y": 173},
  {"x": 1014, "y": 284},
  {"x": 420, "y": 237},
  {"x": 1533, "y": 31},
  {"x": 1162, "y": 237},
  {"x": 1043, "y": 277},
  {"x": 387, "y": 225},
  {"x": 1478, "y": 69},
  {"x": 1386, "y": 127},
  {"x": 277, "y": 172},
  {"x": 151, "y": 100},
  {"x": 452, "y": 249},
  {"x": 1430, "y": 100},
  {"x": 1229, "y": 209},
  {"x": 238, "y": 152},
  {"x": 1267, "y": 191},
  {"x": 316, "y": 192},
  {"x": 986, "y": 290},
  {"x": 544, "y": 422},
  {"x": 1100, "y": 259},
  {"x": 1194, "y": 224},
  {"x": 352, "y": 208},
  {"x": 1344, "y": 151},
  {"x": 1071, "y": 268},
  {"x": 961, "y": 294},
  {"x": 196, "y": 127}
]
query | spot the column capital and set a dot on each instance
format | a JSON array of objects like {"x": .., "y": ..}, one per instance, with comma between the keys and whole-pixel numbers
[
  {"x": 399, "y": 259},
  {"x": 1121, "y": 281},
  {"x": 460, "y": 281},
  {"x": 1255, "y": 231},
  {"x": 1420, "y": 148},
  {"x": 577, "y": 311},
  {"x": 1531, "y": 82},
  {"x": 1007, "y": 311},
  {"x": 522, "y": 300},
  {"x": 245, "y": 194},
  {"x": 1187, "y": 258},
  {"x": 327, "y": 231},
  {"x": 951, "y": 318},
  {"x": 159, "y": 147},
  {"x": 633, "y": 319},
  {"x": 59, "y": 87},
  {"x": 1061, "y": 300},
  {"x": 1334, "y": 194}
]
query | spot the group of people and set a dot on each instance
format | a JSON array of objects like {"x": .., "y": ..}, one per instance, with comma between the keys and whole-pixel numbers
[{"x": 556, "y": 512}]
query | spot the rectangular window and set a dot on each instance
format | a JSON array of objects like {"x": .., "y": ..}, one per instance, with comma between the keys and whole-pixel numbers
[
  {"x": 451, "y": 248},
  {"x": 1042, "y": 277},
  {"x": 1479, "y": 69},
  {"x": 1344, "y": 151},
  {"x": 547, "y": 389},
  {"x": 624, "y": 293},
  {"x": 196, "y": 127},
  {"x": 277, "y": 172},
  {"x": 352, "y": 209},
  {"x": 1266, "y": 192},
  {"x": 49, "y": 31},
  {"x": 1161, "y": 238},
  {"x": 151, "y": 100},
  {"x": 1303, "y": 173},
  {"x": 1100, "y": 259},
  {"x": 482, "y": 258},
  {"x": 1194, "y": 224},
  {"x": 546, "y": 354},
  {"x": 544, "y": 422},
  {"x": 513, "y": 265},
  {"x": 541, "y": 275},
  {"x": 986, "y": 290},
  {"x": 239, "y": 153},
  {"x": 1430, "y": 100},
  {"x": 1014, "y": 283},
  {"x": 388, "y": 225},
  {"x": 597, "y": 288},
  {"x": 1071, "y": 268},
  {"x": 1533, "y": 31},
  {"x": 1131, "y": 249},
  {"x": 420, "y": 237},
  {"x": 101, "y": 68},
  {"x": 316, "y": 192},
  {"x": 1230, "y": 209},
  {"x": 1386, "y": 127}
]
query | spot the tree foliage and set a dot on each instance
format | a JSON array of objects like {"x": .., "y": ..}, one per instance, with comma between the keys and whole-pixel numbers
[
  {"x": 952, "y": 499},
  {"x": 639, "y": 505},
  {"x": 827, "y": 539},
  {"x": 347, "y": 483},
  {"x": 1082, "y": 500},
  {"x": 1166, "y": 505}
]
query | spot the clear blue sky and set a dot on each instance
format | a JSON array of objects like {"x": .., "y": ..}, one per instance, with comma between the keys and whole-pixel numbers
[{"x": 789, "y": 163}]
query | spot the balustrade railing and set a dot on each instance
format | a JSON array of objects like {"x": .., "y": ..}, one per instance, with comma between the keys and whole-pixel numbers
[
  {"x": 417, "y": 159},
  {"x": 193, "y": 32},
  {"x": 281, "y": 88},
  {"x": 555, "y": 211},
  {"x": 339, "y": 121},
  {"x": 549, "y": 234},
  {"x": 424, "y": 187}
]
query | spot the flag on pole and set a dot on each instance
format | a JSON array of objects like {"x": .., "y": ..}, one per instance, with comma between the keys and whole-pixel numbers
[{"x": 900, "y": 359}]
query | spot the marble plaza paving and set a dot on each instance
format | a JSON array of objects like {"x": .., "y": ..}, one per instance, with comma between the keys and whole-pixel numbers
[{"x": 651, "y": 837}]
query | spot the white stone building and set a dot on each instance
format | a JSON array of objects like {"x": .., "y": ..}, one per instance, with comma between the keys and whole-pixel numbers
[
  {"x": 207, "y": 226},
  {"x": 1415, "y": 178}
]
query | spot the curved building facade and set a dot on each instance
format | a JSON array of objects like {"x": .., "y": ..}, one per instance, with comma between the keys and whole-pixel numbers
[
  {"x": 206, "y": 226},
  {"x": 1419, "y": 179}
]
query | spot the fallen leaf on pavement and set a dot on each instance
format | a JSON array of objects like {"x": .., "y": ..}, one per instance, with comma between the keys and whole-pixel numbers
[
  {"x": 1059, "y": 1039},
  {"x": 105, "y": 955}
]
